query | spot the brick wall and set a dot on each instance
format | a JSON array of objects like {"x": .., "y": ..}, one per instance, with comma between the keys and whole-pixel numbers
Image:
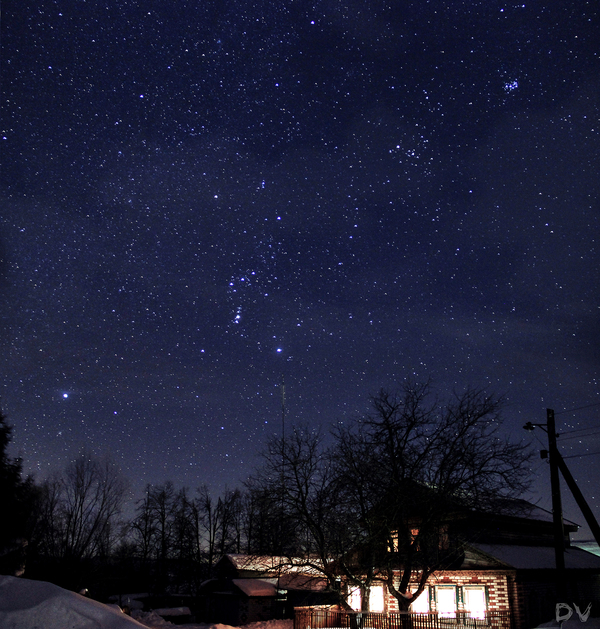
[
  {"x": 496, "y": 583},
  {"x": 530, "y": 596}
]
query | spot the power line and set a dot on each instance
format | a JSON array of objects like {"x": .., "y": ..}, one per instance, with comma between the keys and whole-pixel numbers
[
  {"x": 579, "y": 408},
  {"x": 569, "y": 432},
  {"x": 591, "y": 434},
  {"x": 579, "y": 456}
]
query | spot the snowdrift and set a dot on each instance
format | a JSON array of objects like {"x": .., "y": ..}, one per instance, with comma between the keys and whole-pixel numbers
[{"x": 26, "y": 604}]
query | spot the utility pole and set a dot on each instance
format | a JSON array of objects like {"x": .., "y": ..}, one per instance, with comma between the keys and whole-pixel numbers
[
  {"x": 282, "y": 409},
  {"x": 557, "y": 464},
  {"x": 282, "y": 505},
  {"x": 581, "y": 502},
  {"x": 557, "y": 516}
]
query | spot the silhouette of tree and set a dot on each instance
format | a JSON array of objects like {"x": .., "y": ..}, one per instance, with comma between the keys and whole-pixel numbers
[
  {"x": 17, "y": 497},
  {"x": 376, "y": 503},
  {"x": 78, "y": 519}
]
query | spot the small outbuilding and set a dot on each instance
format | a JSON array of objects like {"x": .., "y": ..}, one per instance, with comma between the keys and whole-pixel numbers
[{"x": 251, "y": 588}]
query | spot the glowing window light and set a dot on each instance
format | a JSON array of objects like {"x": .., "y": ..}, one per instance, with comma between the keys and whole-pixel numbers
[
  {"x": 421, "y": 605},
  {"x": 446, "y": 601},
  {"x": 376, "y": 599},
  {"x": 355, "y": 599},
  {"x": 475, "y": 602}
]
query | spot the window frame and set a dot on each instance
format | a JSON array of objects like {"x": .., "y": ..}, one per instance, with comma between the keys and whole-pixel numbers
[
  {"x": 447, "y": 587},
  {"x": 476, "y": 587},
  {"x": 425, "y": 595}
]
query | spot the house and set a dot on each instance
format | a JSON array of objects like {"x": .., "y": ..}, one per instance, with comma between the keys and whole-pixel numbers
[
  {"x": 252, "y": 588},
  {"x": 504, "y": 574},
  {"x": 506, "y": 565}
]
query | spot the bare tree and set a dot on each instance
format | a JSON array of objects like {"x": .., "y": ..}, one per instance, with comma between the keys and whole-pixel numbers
[
  {"x": 421, "y": 464},
  {"x": 47, "y": 538},
  {"x": 163, "y": 505},
  {"x": 378, "y": 502},
  {"x": 78, "y": 519},
  {"x": 221, "y": 523},
  {"x": 143, "y": 528},
  {"x": 209, "y": 521},
  {"x": 229, "y": 511},
  {"x": 91, "y": 499},
  {"x": 166, "y": 534},
  {"x": 302, "y": 498},
  {"x": 262, "y": 517}
]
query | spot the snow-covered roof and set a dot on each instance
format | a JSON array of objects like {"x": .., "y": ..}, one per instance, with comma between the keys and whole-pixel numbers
[
  {"x": 519, "y": 508},
  {"x": 269, "y": 563},
  {"x": 255, "y": 587},
  {"x": 537, "y": 557},
  {"x": 591, "y": 546},
  {"x": 307, "y": 582}
]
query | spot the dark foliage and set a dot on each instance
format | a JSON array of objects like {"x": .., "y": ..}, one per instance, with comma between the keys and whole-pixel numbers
[{"x": 17, "y": 497}]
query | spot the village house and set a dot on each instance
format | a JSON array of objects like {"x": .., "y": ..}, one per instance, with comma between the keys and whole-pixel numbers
[
  {"x": 505, "y": 576},
  {"x": 505, "y": 570},
  {"x": 252, "y": 588}
]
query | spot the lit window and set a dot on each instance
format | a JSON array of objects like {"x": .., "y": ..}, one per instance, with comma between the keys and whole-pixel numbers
[
  {"x": 421, "y": 604},
  {"x": 376, "y": 599},
  {"x": 355, "y": 599},
  {"x": 414, "y": 538},
  {"x": 475, "y": 602},
  {"x": 445, "y": 600}
]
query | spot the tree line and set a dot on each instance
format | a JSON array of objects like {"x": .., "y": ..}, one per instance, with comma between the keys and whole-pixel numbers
[
  {"x": 71, "y": 528},
  {"x": 360, "y": 505}
]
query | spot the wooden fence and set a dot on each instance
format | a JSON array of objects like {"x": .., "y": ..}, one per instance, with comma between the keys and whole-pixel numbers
[{"x": 327, "y": 618}]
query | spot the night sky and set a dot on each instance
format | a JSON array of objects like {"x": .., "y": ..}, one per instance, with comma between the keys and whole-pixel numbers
[{"x": 202, "y": 199}]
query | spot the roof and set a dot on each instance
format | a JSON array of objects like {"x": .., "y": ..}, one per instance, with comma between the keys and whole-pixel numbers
[
  {"x": 271, "y": 564},
  {"x": 307, "y": 582},
  {"x": 537, "y": 557},
  {"x": 524, "y": 510},
  {"x": 591, "y": 546},
  {"x": 269, "y": 586},
  {"x": 255, "y": 587}
]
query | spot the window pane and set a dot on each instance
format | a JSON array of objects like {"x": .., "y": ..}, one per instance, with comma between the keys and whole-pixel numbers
[
  {"x": 355, "y": 600},
  {"x": 421, "y": 605},
  {"x": 376, "y": 599},
  {"x": 475, "y": 602},
  {"x": 446, "y": 601}
]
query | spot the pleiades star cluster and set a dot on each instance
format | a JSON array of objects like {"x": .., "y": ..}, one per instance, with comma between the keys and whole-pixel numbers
[{"x": 205, "y": 200}]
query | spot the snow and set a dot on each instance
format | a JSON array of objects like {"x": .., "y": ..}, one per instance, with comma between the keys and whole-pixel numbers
[
  {"x": 255, "y": 587},
  {"x": 173, "y": 611},
  {"x": 26, "y": 604}
]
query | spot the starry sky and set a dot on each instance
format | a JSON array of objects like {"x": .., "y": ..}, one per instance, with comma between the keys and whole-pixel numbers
[{"x": 203, "y": 199}]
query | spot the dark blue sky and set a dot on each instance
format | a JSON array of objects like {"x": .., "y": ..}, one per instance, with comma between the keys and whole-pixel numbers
[{"x": 202, "y": 198}]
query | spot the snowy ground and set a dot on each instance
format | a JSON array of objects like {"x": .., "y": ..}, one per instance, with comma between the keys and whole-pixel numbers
[{"x": 26, "y": 604}]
